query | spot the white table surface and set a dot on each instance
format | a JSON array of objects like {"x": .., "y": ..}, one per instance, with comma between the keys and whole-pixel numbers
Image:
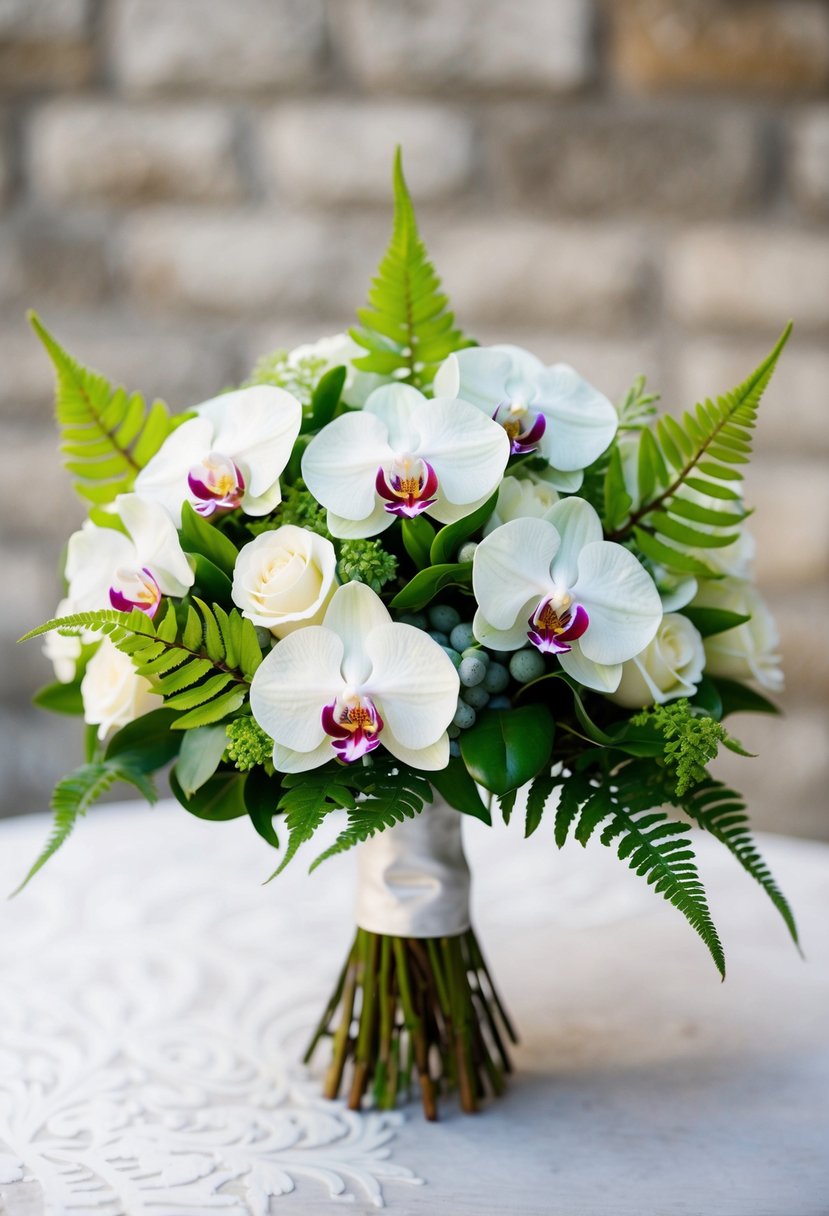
[{"x": 154, "y": 998}]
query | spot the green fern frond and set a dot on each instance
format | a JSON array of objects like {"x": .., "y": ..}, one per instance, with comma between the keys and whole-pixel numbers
[
  {"x": 107, "y": 434},
  {"x": 408, "y": 328},
  {"x": 722, "y": 812},
  {"x": 307, "y": 799},
  {"x": 692, "y": 741},
  {"x": 203, "y": 671},
  {"x": 680, "y": 460},
  {"x": 391, "y": 798},
  {"x": 621, "y": 803},
  {"x": 75, "y": 794}
]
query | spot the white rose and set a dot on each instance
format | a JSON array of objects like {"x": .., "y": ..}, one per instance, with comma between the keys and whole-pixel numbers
[
  {"x": 521, "y": 498},
  {"x": 63, "y": 650},
  {"x": 113, "y": 693},
  {"x": 340, "y": 350},
  {"x": 749, "y": 651},
  {"x": 670, "y": 666},
  {"x": 284, "y": 579}
]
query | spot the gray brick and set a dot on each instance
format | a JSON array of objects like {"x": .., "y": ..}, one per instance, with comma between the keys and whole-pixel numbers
[
  {"x": 44, "y": 20},
  {"x": 240, "y": 47},
  {"x": 45, "y": 44},
  {"x": 44, "y": 259},
  {"x": 244, "y": 263},
  {"x": 742, "y": 276},
  {"x": 595, "y": 160},
  {"x": 810, "y": 161},
  {"x": 341, "y": 151},
  {"x": 527, "y": 273},
  {"x": 479, "y": 44},
  {"x": 95, "y": 150},
  {"x": 710, "y": 44},
  {"x": 791, "y": 522},
  {"x": 36, "y": 749}
]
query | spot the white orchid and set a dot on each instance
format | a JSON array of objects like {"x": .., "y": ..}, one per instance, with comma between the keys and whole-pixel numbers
[
  {"x": 105, "y": 568},
  {"x": 338, "y": 350},
  {"x": 340, "y": 689},
  {"x": 521, "y": 498},
  {"x": 402, "y": 455},
  {"x": 229, "y": 456},
  {"x": 558, "y": 583},
  {"x": 551, "y": 410}
]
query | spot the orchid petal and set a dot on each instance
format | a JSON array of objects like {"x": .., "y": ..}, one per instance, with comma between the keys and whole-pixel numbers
[
  {"x": 301, "y": 674},
  {"x": 157, "y": 546},
  {"x": 357, "y": 529},
  {"x": 582, "y": 420},
  {"x": 257, "y": 427},
  {"x": 446, "y": 512},
  {"x": 416, "y": 682},
  {"x": 568, "y": 481},
  {"x": 92, "y": 557},
  {"x": 164, "y": 477},
  {"x": 398, "y": 407},
  {"x": 621, "y": 600},
  {"x": 264, "y": 503},
  {"x": 511, "y": 565},
  {"x": 354, "y": 613},
  {"x": 427, "y": 759},
  {"x": 287, "y": 760},
  {"x": 578, "y": 525},
  {"x": 602, "y": 677},
  {"x": 469, "y": 451},
  {"x": 477, "y": 374},
  {"x": 504, "y": 639},
  {"x": 341, "y": 462}
]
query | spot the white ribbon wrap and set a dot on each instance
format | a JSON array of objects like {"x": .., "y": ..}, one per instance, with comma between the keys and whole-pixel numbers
[{"x": 413, "y": 879}]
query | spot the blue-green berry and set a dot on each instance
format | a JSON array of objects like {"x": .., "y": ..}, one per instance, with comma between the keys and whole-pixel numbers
[
  {"x": 444, "y": 617},
  {"x": 454, "y": 748},
  {"x": 453, "y": 655},
  {"x": 440, "y": 638},
  {"x": 499, "y": 703},
  {"x": 472, "y": 671},
  {"x": 477, "y": 696},
  {"x": 467, "y": 551},
  {"x": 475, "y": 652},
  {"x": 496, "y": 678},
  {"x": 526, "y": 665},
  {"x": 464, "y": 716},
  {"x": 462, "y": 636},
  {"x": 417, "y": 619},
  {"x": 453, "y": 731}
]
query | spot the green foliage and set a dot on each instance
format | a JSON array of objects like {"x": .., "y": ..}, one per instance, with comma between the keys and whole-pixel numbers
[
  {"x": 218, "y": 799},
  {"x": 418, "y": 535},
  {"x": 297, "y": 376},
  {"x": 200, "y": 754},
  {"x": 638, "y": 407},
  {"x": 247, "y": 744},
  {"x": 426, "y": 584},
  {"x": 455, "y": 785},
  {"x": 75, "y": 794},
  {"x": 691, "y": 740},
  {"x": 376, "y": 796},
  {"x": 620, "y": 802},
  {"x": 408, "y": 328},
  {"x": 201, "y": 538},
  {"x": 679, "y": 460},
  {"x": 107, "y": 434},
  {"x": 507, "y": 748},
  {"x": 298, "y": 507},
  {"x": 203, "y": 671},
  {"x": 449, "y": 539},
  {"x": 366, "y": 561}
]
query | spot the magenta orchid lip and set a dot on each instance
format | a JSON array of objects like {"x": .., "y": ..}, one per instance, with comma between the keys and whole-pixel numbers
[
  {"x": 551, "y": 630},
  {"x": 408, "y": 490},
  {"x": 217, "y": 483},
  {"x": 354, "y": 726},
  {"x": 135, "y": 589},
  {"x": 522, "y": 439}
]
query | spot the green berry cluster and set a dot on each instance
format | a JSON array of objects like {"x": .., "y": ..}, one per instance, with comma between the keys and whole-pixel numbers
[
  {"x": 366, "y": 561},
  {"x": 247, "y": 744},
  {"x": 297, "y": 376}
]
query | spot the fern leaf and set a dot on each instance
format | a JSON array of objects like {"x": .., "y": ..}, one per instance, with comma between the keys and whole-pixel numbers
[
  {"x": 722, "y": 813},
  {"x": 307, "y": 799},
  {"x": 679, "y": 460},
  {"x": 393, "y": 799},
  {"x": 107, "y": 435},
  {"x": 75, "y": 794},
  {"x": 407, "y": 329}
]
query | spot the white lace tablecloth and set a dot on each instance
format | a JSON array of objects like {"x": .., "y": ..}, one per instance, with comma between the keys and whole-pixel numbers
[{"x": 154, "y": 998}]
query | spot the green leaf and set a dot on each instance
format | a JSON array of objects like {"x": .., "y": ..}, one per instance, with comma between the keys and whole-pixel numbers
[
  {"x": 221, "y": 797},
  {"x": 198, "y": 536},
  {"x": 325, "y": 399},
  {"x": 145, "y": 743},
  {"x": 210, "y": 581},
  {"x": 394, "y": 797},
  {"x": 710, "y": 621},
  {"x": 617, "y": 501},
  {"x": 307, "y": 799},
  {"x": 426, "y": 584},
  {"x": 76, "y": 793},
  {"x": 736, "y": 698},
  {"x": 262, "y": 794},
  {"x": 107, "y": 435},
  {"x": 449, "y": 539},
  {"x": 506, "y": 748},
  {"x": 538, "y": 796},
  {"x": 60, "y": 698},
  {"x": 407, "y": 328},
  {"x": 456, "y": 787},
  {"x": 200, "y": 755},
  {"x": 418, "y": 535}
]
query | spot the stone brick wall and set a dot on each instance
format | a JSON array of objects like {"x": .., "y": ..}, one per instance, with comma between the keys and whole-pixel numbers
[{"x": 634, "y": 185}]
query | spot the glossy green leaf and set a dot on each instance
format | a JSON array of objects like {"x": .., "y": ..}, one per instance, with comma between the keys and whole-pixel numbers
[
  {"x": 455, "y": 785},
  {"x": 506, "y": 748},
  {"x": 221, "y": 797},
  {"x": 199, "y": 756},
  {"x": 428, "y": 583}
]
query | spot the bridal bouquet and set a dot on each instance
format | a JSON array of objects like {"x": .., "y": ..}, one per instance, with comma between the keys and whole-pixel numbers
[{"x": 410, "y": 578}]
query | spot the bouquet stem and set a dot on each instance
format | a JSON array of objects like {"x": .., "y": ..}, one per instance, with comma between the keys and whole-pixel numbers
[{"x": 424, "y": 1007}]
